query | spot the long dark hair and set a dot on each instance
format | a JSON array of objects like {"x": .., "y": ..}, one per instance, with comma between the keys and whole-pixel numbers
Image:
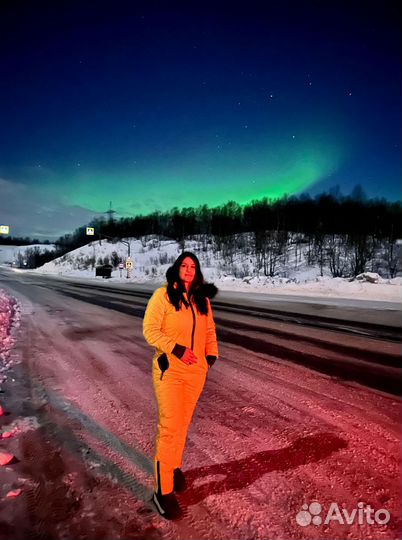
[{"x": 199, "y": 289}]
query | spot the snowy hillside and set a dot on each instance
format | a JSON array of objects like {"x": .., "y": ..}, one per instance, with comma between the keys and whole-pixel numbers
[{"x": 152, "y": 256}]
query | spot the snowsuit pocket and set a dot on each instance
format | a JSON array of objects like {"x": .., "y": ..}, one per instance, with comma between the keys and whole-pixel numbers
[{"x": 163, "y": 363}]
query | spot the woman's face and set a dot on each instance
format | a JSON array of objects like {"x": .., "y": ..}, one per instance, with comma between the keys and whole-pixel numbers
[{"x": 187, "y": 271}]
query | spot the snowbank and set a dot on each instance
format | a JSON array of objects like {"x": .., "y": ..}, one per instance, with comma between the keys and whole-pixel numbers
[
  {"x": 9, "y": 319},
  {"x": 389, "y": 290}
]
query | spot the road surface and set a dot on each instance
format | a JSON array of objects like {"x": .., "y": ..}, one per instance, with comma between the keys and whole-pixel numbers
[{"x": 270, "y": 434}]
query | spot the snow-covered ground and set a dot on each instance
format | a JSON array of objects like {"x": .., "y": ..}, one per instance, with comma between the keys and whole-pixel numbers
[
  {"x": 151, "y": 257},
  {"x": 269, "y": 435},
  {"x": 9, "y": 319}
]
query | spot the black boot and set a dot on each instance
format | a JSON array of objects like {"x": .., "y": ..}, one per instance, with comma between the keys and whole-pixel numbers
[
  {"x": 179, "y": 481},
  {"x": 167, "y": 505}
]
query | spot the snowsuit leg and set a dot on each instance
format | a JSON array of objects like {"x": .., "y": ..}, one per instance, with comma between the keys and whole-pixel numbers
[
  {"x": 177, "y": 394},
  {"x": 192, "y": 388}
]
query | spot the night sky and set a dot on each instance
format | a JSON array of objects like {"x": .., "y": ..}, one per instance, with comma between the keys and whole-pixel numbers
[{"x": 153, "y": 105}]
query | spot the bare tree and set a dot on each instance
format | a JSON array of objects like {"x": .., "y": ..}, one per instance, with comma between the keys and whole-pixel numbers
[
  {"x": 115, "y": 259},
  {"x": 337, "y": 255},
  {"x": 393, "y": 257},
  {"x": 319, "y": 250},
  {"x": 20, "y": 260},
  {"x": 269, "y": 247},
  {"x": 362, "y": 250}
]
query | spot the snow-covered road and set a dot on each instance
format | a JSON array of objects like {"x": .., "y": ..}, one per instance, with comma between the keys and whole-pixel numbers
[{"x": 268, "y": 437}]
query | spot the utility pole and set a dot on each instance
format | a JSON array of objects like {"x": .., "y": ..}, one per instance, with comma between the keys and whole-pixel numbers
[
  {"x": 110, "y": 213},
  {"x": 110, "y": 220}
]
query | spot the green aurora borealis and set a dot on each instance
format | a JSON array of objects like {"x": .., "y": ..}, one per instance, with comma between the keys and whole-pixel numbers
[{"x": 204, "y": 179}]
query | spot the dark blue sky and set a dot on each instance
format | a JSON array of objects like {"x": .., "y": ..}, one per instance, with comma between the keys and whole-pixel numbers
[{"x": 159, "y": 104}]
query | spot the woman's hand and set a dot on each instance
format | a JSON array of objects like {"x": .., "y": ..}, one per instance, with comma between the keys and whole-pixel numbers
[{"x": 189, "y": 357}]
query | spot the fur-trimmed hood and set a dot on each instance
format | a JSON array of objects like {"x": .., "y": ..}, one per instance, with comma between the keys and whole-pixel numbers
[
  {"x": 209, "y": 290},
  {"x": 199, "y": 295}
]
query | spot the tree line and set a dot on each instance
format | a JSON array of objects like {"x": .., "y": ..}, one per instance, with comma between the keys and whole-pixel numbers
[
  {"x": 325, "y": 214},
  {"x": 342, "y": 233},
  {"x": 21, "y": 241}
]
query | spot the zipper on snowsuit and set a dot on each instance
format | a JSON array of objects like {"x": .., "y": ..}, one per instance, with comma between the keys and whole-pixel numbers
[{"x": 194, "y": 323}]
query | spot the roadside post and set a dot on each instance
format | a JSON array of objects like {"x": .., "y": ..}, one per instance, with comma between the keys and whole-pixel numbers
[
  {"x": 129, "y": 266},
  {"x": 121, "y": 268}
]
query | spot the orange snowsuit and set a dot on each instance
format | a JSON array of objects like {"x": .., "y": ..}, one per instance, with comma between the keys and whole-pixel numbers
[{"x": 177, "y": 385}]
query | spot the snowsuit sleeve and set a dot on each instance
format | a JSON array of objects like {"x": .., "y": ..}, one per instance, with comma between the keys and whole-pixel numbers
[
  {"x": 211, "y": 344},
  {"x": 152, "y": 325}
]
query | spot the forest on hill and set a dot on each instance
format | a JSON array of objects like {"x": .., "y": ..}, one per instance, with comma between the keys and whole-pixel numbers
[{"x": 349, "y": 235}]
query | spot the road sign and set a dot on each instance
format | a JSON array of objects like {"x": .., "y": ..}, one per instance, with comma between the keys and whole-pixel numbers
[
  {"x": 129, "y": 263},
  {"x": 121, "y": 266},
  {"x": 90, "y": 231},
  {"x": 4, "y": 229}
]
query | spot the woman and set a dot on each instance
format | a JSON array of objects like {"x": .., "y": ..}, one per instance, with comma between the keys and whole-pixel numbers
[{"x": 179, "y": 323}]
